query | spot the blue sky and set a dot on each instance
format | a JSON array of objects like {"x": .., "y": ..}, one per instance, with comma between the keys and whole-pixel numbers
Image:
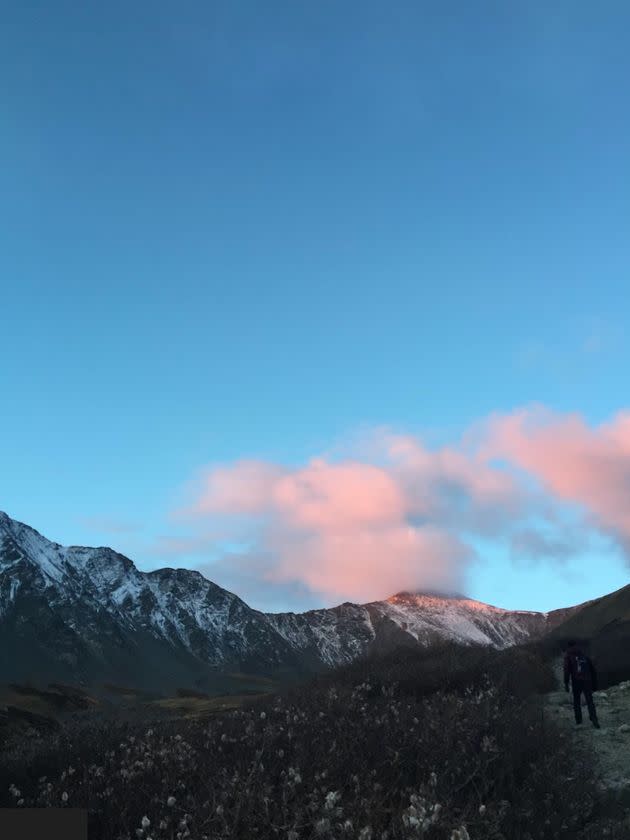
[{"x": 232, "y": 232}]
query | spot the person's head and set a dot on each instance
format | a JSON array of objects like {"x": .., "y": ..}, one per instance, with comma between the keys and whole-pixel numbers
[{"x": 572, "y": 644}]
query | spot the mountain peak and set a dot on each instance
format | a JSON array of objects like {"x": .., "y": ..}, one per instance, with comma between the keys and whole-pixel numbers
[
  {"x": 98, "y": 617},
  {"x": 438, "y": 594}
]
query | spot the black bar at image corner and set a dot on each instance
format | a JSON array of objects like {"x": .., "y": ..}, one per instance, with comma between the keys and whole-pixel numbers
[{"x": 43, "y": 824}]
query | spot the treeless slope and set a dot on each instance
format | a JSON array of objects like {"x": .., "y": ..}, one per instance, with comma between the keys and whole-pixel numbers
[
  {"x": 599, "y": 615},
  {"x": 603, "y": 627}
]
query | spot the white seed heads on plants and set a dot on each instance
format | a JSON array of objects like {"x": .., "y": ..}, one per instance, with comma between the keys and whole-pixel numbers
[{"x": 332, "y": 797}]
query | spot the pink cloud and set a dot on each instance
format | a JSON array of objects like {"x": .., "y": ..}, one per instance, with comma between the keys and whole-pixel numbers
[
  {"x": 351, "y": 529},
  {"x": 406, "y": 516},
  {"x": 452, "y": 483},
  {"x": 336, "y": 498},
  {"x": 367, "y": 564},
  {"x": 245, "y": 487},
  {"x": 588, "y": 466}
]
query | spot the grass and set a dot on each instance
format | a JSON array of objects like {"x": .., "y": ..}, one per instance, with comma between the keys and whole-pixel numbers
[
  {"x": 194, "y": 707},
  {"x": 53, "y": 702},
  {"x": 446, "y": 744}
]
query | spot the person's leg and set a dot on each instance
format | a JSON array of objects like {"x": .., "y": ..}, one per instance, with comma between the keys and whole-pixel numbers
[
  {"x": 577, "y": 703},
  {"x": 592, "y": 713}
]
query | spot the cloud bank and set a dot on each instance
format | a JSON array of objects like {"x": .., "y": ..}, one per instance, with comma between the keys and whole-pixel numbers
[
  {"x": 404, "y": 516},
  {"x": 575, "y": 463}
]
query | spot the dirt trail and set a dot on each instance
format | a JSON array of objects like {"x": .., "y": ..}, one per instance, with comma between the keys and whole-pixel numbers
[{"x": 610, "y": 744}]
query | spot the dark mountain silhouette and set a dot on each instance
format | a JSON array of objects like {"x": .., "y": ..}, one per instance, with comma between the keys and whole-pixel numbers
[{"x": 89, "y": 616}]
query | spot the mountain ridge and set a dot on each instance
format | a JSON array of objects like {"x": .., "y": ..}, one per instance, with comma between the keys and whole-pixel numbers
[{"x": 86, "y": 614}]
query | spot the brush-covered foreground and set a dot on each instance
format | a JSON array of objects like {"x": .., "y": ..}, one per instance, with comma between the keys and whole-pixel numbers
[{"x": 451, "y": 743}]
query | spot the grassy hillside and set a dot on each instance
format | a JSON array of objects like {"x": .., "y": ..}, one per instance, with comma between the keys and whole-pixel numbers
[{"x": 450, "y": 743}]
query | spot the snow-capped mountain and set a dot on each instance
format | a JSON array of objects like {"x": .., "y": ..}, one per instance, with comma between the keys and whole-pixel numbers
[{"x": 88, "y": 614}]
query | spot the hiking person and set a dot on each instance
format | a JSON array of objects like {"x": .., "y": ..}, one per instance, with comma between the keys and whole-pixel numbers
[{"x": 579, "y": 668}]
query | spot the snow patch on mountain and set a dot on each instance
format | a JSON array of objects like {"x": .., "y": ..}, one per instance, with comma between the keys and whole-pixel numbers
[{"x": 101, "y": 594}]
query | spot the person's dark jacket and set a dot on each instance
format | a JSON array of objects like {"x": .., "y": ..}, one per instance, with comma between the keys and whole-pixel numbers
[{"x": 587, "y": 679}]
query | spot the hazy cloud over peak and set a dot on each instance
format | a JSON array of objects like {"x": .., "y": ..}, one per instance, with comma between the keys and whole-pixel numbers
[{"x": 404, "y": 515}]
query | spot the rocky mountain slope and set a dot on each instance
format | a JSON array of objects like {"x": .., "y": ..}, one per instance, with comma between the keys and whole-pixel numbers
[{"x": 89, "y": 615}]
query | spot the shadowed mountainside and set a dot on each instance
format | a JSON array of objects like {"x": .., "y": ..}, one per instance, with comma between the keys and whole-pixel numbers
[
  {"x": 88, "y": 615},
  {"x": 603, "y": 627}
]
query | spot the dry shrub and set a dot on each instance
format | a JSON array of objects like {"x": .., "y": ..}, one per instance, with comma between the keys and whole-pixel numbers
[{"x": 449, "y": 744}]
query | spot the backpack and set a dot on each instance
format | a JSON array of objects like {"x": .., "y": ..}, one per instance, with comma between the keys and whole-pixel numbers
[{"x": 581, "y": 667}]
